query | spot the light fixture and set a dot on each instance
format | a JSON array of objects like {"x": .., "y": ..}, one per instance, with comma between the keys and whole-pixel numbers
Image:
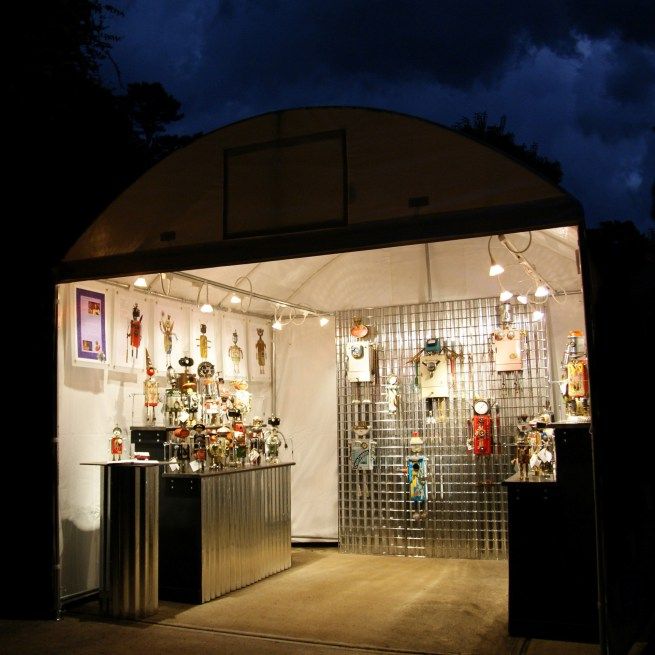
[
  {"x": 522, "y": 299},
  {"x": 505, "y": 295},
  {"x": 323, "y": 321},
  {"x": 206, "y": 308},
  {"x": 276, "y": 324},
  {"x": 541, "y": 291},
  {"x": 494, "y": 268},
  {"x": 237, "y": 298},
  {"x": 140, "y": 283},
  {"x": 537, "y": 315}
]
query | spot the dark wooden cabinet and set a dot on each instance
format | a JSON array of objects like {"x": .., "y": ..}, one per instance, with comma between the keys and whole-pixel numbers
[{"x": 553, "y": 591}]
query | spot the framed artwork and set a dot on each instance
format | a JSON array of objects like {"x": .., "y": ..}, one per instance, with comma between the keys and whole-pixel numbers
[
  {"x": 170, "y": 339},
  {"x": 234, "y": 347},
  {"x": 132, "y": 330},
  {"x": 259, "y": 349},
  {"x": 205, "y": 338},
  {"x": 89, "y": 315}
]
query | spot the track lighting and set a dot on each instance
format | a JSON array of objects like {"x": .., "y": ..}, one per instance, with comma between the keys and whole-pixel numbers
[
  {"x": 140, "y": 283},
  {"x": 494, "y": 268},
  {"x": 541, "y": 291},
  {"x": 505, "y": 295},
  {"x": 537, "y": 315},
  {"x": 206, "y": 308},
  {"x": 235, "y": 299},
  {"x": 323, "y": 321},
  {"x": 522, "y": 299}
]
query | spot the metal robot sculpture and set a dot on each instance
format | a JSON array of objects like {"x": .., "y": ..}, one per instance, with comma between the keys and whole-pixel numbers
[
  {"x": 362, "y": 455},
  {"x": 150, "y": 390},
  {"x": 235, "y": 353},
  {"x": 167, "y": 325},
  {"x": 116, "y": 442},
  {"x": 417, "y": 476},
  {"x": 272, "y": 441},
  {"x": 203, "y": 341},
  {"x": 260, "y": 347},
  {"x": 134, "y": 334}
]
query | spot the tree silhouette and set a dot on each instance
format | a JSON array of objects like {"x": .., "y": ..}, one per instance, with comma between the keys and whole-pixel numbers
[
  {"x": 498, "y": 137},
  {"x": 151, "y": 108}
]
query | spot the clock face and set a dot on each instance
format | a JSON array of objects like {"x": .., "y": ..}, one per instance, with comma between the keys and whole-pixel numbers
[{"x": 481, "y": 407}]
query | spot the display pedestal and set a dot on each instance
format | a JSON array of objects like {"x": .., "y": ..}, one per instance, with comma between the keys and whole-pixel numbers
[
  {"x": 552, "y": 547},
  {"x": 220, "y": 531},
  {"x": 129, "y": 539}
]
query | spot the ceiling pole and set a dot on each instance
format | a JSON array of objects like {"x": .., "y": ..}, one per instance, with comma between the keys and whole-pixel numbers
[{"x": 427, "y": 271}]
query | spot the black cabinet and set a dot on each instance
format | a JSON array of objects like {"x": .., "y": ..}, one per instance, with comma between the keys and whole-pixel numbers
[
  {"x": 553, "y": 591},
  {"x": 149, "y": 439}
]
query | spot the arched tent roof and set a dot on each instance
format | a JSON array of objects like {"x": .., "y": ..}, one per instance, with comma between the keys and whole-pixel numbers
[{"x": 328, "y": 179}]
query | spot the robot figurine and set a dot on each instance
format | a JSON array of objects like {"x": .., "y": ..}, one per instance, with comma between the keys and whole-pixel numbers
[
  {"x": 150, "y": 390},
  {"x": 272, "y": 441},
  {"x": 134, "y": 334},
  {"x": 362, "y": 455},
  {"x": 417, "y": 475},
  {"x": 116, "y": 444}
]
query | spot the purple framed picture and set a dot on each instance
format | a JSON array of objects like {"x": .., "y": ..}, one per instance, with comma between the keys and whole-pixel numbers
[{"x": 90, "y": 318}]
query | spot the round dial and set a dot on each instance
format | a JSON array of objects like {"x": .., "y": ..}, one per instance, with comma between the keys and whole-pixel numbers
[{"x": 481, "y": 407}]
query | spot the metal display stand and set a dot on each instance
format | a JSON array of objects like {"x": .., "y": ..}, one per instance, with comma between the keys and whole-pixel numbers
[{"x": 129, "y": 538}]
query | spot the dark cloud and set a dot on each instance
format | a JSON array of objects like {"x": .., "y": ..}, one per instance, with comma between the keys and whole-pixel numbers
[{"x": 576, "y": 77}]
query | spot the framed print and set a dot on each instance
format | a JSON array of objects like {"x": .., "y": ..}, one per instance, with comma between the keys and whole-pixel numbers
[
  {"x": 89, "y": 317},
  {"x": 131, "y": 330},
  {"x": 170, "y": 334},
  {"x": 259, "y": 349},
  {"x": 205, "y": 338},
  {"x": 234, "y": 347}
]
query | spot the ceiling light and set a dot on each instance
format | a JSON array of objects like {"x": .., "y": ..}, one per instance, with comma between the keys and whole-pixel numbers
[
  {"x": 323, "y": 321},
  {"x": 537, "y": 315},
  {"x": 235, "y": 299},
  {"x": 522, "y": 299},
  {"x": 140, "y": 283},
  {"x": 206, "y": 308},
  {"x": 541, "y": 291},
  {"x": 505, "y": 295},
  {"x": 276, "y": 324},
  {"x": 494, "y": 268}
]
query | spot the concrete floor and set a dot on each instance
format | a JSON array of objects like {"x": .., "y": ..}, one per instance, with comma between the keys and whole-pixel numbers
[{"x": 327, "y": 603}]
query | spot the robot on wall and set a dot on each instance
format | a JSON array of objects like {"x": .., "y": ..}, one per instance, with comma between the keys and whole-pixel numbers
[
  {"x": 417, "y": 477},
  {"x": 507, "y": 351},
  {"x": 150, "y": 391},
  {"x": 363, "y": 456}
]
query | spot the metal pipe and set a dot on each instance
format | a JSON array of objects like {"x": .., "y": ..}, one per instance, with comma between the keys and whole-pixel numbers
[
  {"x": 253, "y": 294},
  {"x": 427, "y": 271}
]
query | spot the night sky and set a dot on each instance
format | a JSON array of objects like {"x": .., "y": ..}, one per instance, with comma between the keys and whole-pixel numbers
[{"x": 578, "y": 78}]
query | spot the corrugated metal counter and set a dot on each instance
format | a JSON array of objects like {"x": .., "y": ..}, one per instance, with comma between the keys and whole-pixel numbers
[{"x": 220, "y": 531}]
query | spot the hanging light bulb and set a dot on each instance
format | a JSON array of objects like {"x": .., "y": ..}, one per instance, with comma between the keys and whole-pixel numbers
[
  {"x": 522, "y": 299},
  {"x": 505, "y": 295},
  {"x": 235, "y": 299},
  {"x": 140, "y": 283},
  {"x": 494, "y": 268},
  {"x": 323, "y": 321},
  {"x": 541, "y": 291},
  {"x": 276, "y": 324},
  {"x": 207, "y": 308},
  {"x": 537, "y": 315}
]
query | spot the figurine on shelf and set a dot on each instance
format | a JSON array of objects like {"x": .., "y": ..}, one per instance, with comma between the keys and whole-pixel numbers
[
  {"x": 116, "y": 444},
  {"x": 134, "y": 334},
  {"x": 150, "y": 390},
  {"x": 272, "y": 441},
  {"x": 256, "y": 441}
]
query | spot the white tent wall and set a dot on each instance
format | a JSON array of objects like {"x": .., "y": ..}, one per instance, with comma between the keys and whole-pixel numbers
[{"x": 306, "y": 403}]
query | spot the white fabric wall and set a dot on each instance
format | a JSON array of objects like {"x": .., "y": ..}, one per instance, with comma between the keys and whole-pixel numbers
[
  {"x": 91, "y": 402},
  {"x": 306, "y": 403}
]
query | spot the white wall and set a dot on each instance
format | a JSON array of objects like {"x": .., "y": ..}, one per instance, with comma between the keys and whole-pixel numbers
[{"x": 306, "y": 403}]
